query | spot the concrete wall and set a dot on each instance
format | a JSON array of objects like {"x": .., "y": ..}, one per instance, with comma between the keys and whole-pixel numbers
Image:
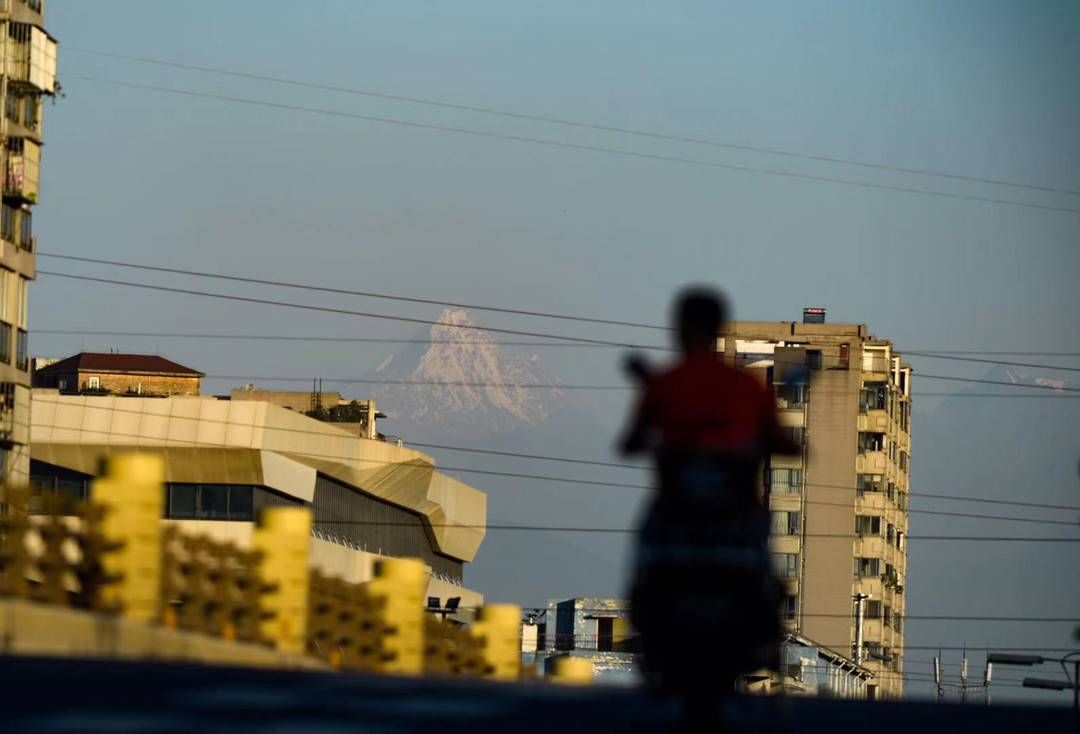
[
  {"x": 827, "y": 562},
  {"x": 122, "y": 383}
]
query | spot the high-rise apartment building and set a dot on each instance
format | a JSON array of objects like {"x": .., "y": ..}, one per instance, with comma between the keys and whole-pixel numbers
[
  {"x": 27, "y": 76},
  {"x": 840, "y": 508}
]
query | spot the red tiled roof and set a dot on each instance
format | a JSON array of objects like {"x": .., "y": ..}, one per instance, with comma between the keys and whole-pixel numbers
[{"x": 109, "y": 362}]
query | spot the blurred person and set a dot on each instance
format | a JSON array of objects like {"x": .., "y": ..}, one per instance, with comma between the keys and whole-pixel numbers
[{"x": 703, "y": 598}]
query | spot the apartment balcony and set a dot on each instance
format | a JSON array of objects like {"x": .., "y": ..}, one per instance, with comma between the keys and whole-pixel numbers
[
  {"x": 22, "y": 172},
  {"x": 785, "y": 544},
  {"x": 31, "y": 58},
  {"x": 875, "y": 420},
  {"x": 870, "y": 546},
  {"x": 871, "y": 462}
]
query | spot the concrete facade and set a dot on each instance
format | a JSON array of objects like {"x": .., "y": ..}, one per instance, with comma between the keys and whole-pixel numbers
[
  {"x": 290, "y": 458},
  {"x": 27, "y": 76},
  {"x": 839, "y": 509}
]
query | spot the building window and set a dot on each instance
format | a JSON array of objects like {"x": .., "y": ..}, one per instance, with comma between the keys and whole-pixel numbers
[
  {"x": 93, "y": 383},
  {"x": 868, "y": 483},
  {"x": 871, "y": 609},
  {"x": 871, "y": 441},
  {"x": 867, "y": 568},
  {"x": 903, "y": 460},
  {"x": 785, "y": 481},
  {"x": 785, "y": 523},
  {"x": 350, "y": 516},
  {"x": 791, "y": 607},
  {"x": 236, "y": 502},
  {"x": 22, "y": 346},
  {"x": 8, "y": 215},
  {"x": 785, "y": 565},
  {"x": 874, "y": 396},
  {"x": 867, "y": 525},
  {"x": 5, "y": 342},
  {"x": 26, "y": 227},
  {"x": 794, "y": 395},
  {"x": 813, "y": 359},
  {"x": 795, "y": 434},
  {"x": 23, "y": 303}
]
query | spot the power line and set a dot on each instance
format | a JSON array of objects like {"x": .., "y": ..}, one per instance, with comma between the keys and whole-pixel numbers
[
  {"x": 1003, "y": 353},
  {"x": 428, "y": 322},
  {"x": 622, "y": 465},
  {"x": 429, "y": 383},
  {"x": 601, "y": 530},
  {"x": 907, "y": 617},
  {"x": 573, "y": 123},
  {"x": 348, "y": 292},
  {"x": 571, "y": 146},
  {"x": 480, "y": 343},
  {"x": 329, "y": 309},
  {"x": 520, "y": 475},
  {"x": 930, "y": 355},
  {"x": 566, "y": 386}
]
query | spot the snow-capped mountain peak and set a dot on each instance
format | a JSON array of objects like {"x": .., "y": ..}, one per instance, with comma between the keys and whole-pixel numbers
[{"x": 484, "y": 380}]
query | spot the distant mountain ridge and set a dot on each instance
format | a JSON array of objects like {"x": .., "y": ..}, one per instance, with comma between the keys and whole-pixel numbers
[{"x": 483, "y": 397}]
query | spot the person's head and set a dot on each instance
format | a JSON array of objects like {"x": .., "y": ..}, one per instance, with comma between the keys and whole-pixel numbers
[{"x": 699, "y": 313}]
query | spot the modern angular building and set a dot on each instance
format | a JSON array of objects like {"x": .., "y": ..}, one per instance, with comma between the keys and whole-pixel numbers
[
  {"x": 27, "y": 76},
  {"x": 840, "y": 509},
  {"x": 225, "y": 460}
]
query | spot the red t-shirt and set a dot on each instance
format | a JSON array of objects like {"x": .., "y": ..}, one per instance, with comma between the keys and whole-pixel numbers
[{"x": 702, "y": 404}]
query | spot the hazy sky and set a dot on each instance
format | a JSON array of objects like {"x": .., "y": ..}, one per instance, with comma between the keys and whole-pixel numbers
[{"x": 983, "y": 89}]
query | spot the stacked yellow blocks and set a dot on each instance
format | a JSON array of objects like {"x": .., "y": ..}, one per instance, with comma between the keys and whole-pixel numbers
[{"x": 130, "y": 564}]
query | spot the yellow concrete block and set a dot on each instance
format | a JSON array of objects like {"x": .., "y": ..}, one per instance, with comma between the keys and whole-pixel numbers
[
  {"x": 131, "y": 495},
  {"x": 284, "y": 539},
  {"x": 499, "y": 628},
  {"x": 398, "y": 588},
  {"x": 571, "y": 671}
]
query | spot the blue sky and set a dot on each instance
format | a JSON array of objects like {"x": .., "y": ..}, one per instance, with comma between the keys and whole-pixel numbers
[{"x": 983, "y": 89}]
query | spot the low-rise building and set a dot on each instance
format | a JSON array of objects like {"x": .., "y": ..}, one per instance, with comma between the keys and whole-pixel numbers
[
  {"x": 809, "y": 669},
  {"x": 227, "y": 459},
  {"x": 355, "y": 415},
  {"x": 595, "y": 629},
  {"x": 110, "y": 373}
]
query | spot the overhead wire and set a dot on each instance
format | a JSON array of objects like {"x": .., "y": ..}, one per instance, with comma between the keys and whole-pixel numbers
[
  {"x": 329, "y": 309},
  {"x": 623, "y": 152},
  {"x": 351, "y": 292},
  {"x": 549, "y": 119},
  {"x": 429, "y": 322},
  {"x": 626, "y": 531},
  {"x": 471, "y": 342},
  {"x": 44, "y": 400}
]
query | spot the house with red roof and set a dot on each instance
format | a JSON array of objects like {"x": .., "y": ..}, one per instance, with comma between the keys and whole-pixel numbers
[{"x": 97, "y": 373}]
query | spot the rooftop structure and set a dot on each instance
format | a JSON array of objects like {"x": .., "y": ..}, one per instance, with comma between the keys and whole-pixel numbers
[{"x": 119, "y": 374}]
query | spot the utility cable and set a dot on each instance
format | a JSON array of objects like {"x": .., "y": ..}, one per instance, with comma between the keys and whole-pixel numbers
[
  {"x": 515, "y": 475},
  {"x": 624, "y": 152},
  {"x": 348, "y": 292},
  {"x": 570, "y": 123}
]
